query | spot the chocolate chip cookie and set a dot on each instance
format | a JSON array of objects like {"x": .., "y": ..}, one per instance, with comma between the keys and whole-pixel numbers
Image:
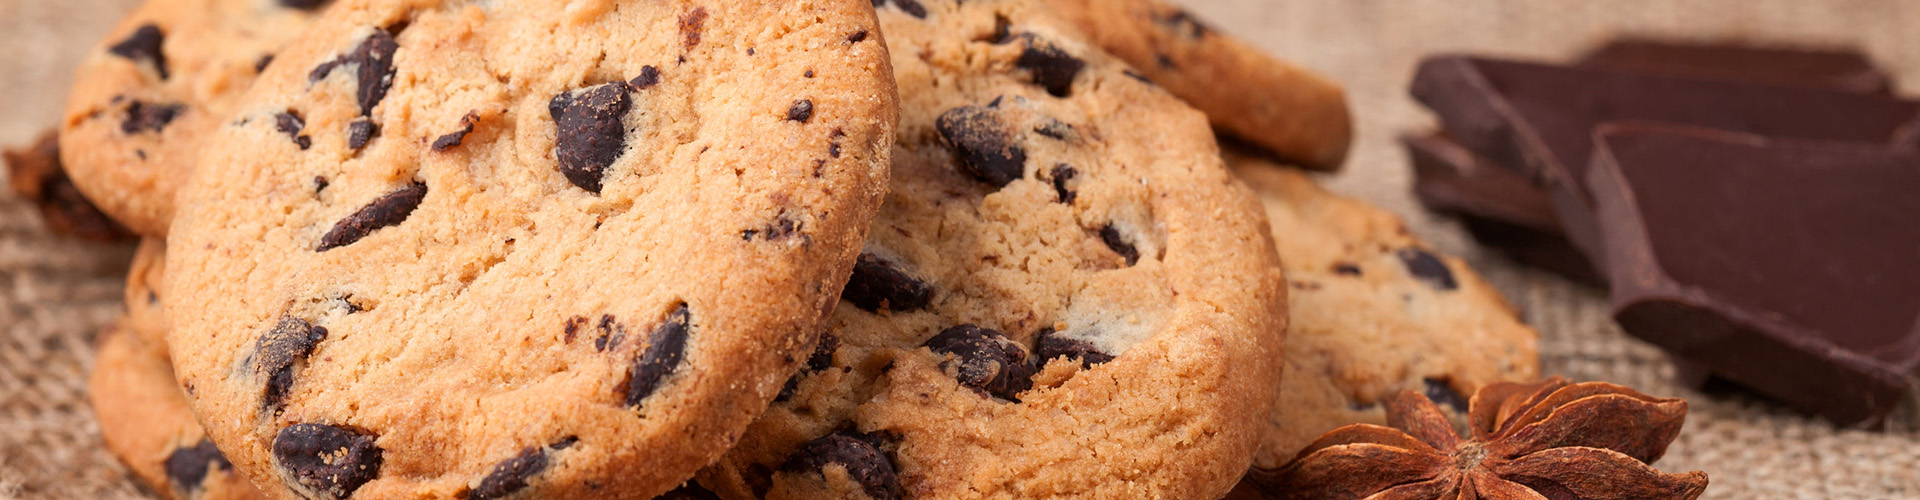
[
  {"x": 162, "y": 80},
  {"x": 36, "y": 174},
  {"x": 146, "y": 423},
  {"x": 145, "y": 316},
  {"x": 1374, "y": 312},
  {"x": 1066, "y": 294},
  {"x": 482, "y": 249},
  {"x": 1288, "y": 111}
]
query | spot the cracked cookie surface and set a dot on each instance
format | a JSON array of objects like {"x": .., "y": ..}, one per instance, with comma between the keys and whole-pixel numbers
[
  {"x": 523, "y": 248},
  {"x": 159, "y": 83},
  {"x": 1065, "y": 295}
]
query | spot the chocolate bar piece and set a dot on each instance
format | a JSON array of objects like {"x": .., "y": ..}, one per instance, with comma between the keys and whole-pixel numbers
[
  {"x": 1538, "y": 119},
  {"x": 1833, "y": 69},
  {"x": 1497, "y": 206},
  {"x": 1789, "y": 267}
]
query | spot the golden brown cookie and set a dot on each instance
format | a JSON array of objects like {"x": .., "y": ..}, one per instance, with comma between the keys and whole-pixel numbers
[
  {"x": 518, "y": 248},
  {"x": 1374, "y": 312},
  {"x": 1287, "y": 110},
  {"x": 161, "y": 81},
  {"x": 1066, "y": 294},
  {"x": 36, "y": 175},
  {"x": 146, "y": 423}
]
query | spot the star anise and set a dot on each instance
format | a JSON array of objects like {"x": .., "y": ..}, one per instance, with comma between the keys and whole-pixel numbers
[{"x": 1544, "y": 440}]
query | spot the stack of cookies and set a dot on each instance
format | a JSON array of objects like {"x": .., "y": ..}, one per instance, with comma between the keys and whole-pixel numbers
[{"x": 707, "y": 249}]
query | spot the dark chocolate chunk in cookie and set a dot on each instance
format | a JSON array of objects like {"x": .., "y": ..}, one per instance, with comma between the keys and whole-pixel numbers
[
  {"x": 864, "y": 462},
  {"x": 801, "y": 111},
  {"x": 1346, "y": 269},
  {"x": 326, "y": 460},
  {"x": 372, "y": 63},
  {"x": 985, "y": 359},
  {"x": 823, "y": 350},
  {"x": 1052, "y": 345},
  {"x": 1062, "y": 174},
  {"x": 592, "y": 132},
  {"x": 454, "y": 138},
  {"x": 511, "y": 475},
  {"x": 388, "y": 210},
  {"x": 689, "y": 491},
  {"x": 1428, "y": 268},
  {"x": 911, "y": 7},
  {"x": 187, "y": 465},
  {"x": 291, "y": 124},
  {"x": 878, "y": 284},
  {"x": 360, "y": 131},
  {"x": 144, "y": 45},
  {"x": 666, "y": 346},
  {"x": 1052, "y": 67},
  {"x": 149, "y": 117},
  {"x": 649, "y": 76},
  {"x": 1118, "y": 242},
  {"x": 275, "y": 354},
  {"x": 303, "y": 4},
  {"x": 984, "y": 143}
]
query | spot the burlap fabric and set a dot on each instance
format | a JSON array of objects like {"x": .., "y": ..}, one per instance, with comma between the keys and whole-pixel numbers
[{"x": 55, "y": 294}]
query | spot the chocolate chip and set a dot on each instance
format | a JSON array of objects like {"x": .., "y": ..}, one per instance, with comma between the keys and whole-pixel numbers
[
  {"x": 388, "y": 210},
  {"x": 857, "y": 36},
  {"x": 1164, "y": 61},
  {"x": 149, "y": 117},
  {"x": 571, "y": 328},
  {"x": 303, "y": 4},
  {"x": 833, "y": 142},
  {"x": 611, "y": 333},
  {"x": 511, "y": 475},
  {"x": 1062, "y": 174},
  {"x": 327, "y": 460},
  {"x": 1119, "y": 244},
  {"x": 261, "y": 65},
  {"x": 144, "y": 45},
  {"x": 985, "y": 359},
  {"x": 1182, "y": 23},
  {"x": 800, "y": 111},
  {"x": 288, "y": 123},
  {"x": 1346, "y": 269},
  {"x": 865, "y": 463},
  {"x": 822, "y": 356},
  {"x": 649, "y": 76},
  {"x": 1428, "y": 268},
  {"x": 1052, "y": 67},
  {"x": 1052, "y": 345},
  {"x": 691, "y": 25},
  {"x": 373, "y": 68},
  {"x": 591, "y": 131},
  {"x": 781, "y": 228},
  {"x": 1054, "y": 129},
  {"x": 187, "y": 466},
  {"x": 688, "y": 491},
  {"x": 666, "y": 346},
  {"x": 456, "y": 137},
  {"x": 983, "y": 143},
  {"x": 1137, "y": 76},
  {"x": 911, "y": 7},
  {"x": 1442, "y": 393},
  {"x": 359, "y": 131},
  {"x": 879, "y": 284},
  {"x": 275, "y": 354}
]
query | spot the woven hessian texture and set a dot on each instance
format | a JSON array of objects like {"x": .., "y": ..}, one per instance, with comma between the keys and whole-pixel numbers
[{"x": 55, "y": 294}]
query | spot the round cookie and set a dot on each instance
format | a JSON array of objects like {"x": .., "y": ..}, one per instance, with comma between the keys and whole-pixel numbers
[
  {"x": 146, "y": 423},
  {"x": 481, "y": 249},
  {"x": 1065, "y": 295},
  {"x": 1286, "y": 110},
  {"x": 162, "y": 80},
  {"x": 1374, "y": 312}
]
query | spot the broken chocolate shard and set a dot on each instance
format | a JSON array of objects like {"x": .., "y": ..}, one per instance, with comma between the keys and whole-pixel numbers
[
  {"x": 666, "y": 347},
  {"x": 458, "y": 136},
  {"x": 1786, "y": 266},
  {"x": 1539, "y": 118},
  {"x": 372, "y": 64},
  {"x": 149, "y": 117},
  {"x": 984, "y": 143}
]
